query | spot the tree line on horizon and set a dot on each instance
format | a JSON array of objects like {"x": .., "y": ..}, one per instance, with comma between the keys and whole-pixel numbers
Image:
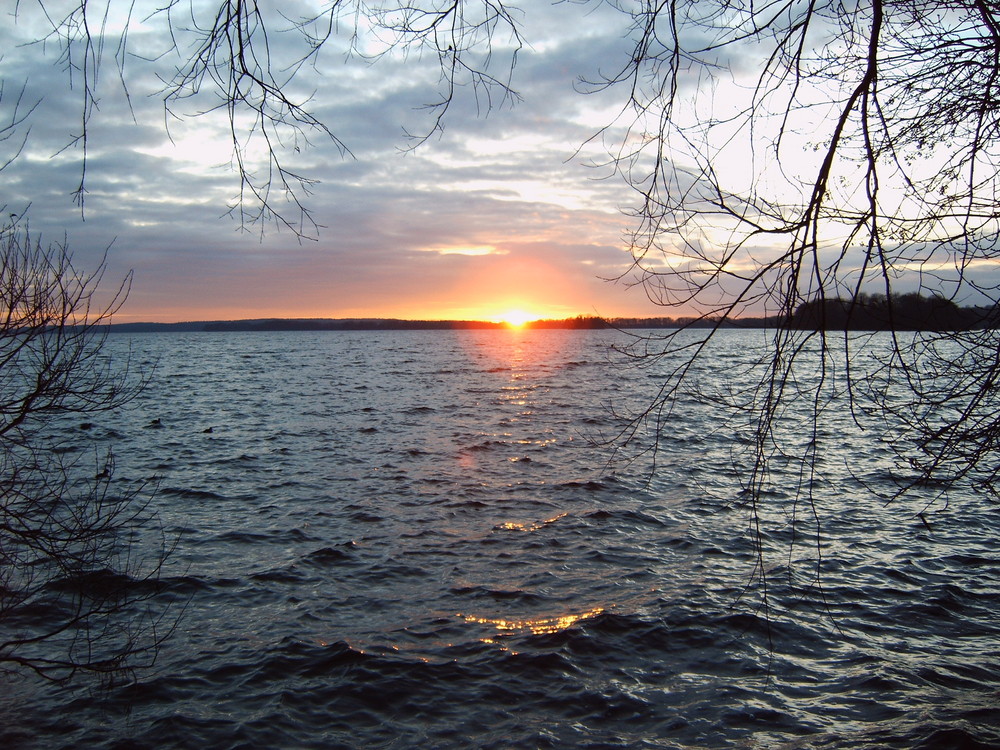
[{"x": 867, "y": 312}]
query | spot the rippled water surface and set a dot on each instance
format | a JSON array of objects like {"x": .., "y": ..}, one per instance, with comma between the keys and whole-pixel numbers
[{"x": 410, "y": 539}]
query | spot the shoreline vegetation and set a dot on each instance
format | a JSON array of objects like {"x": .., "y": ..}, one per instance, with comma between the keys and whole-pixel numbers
[{"x": 868, "y": 312}]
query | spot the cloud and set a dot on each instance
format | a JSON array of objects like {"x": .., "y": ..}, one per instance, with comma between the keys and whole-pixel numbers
[{"x": 498, "y": 206}]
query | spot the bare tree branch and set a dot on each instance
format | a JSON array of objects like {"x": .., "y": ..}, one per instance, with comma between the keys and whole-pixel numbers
[
  {"x": 868, "y": 140},
  {"x": 71, "y": 574}
]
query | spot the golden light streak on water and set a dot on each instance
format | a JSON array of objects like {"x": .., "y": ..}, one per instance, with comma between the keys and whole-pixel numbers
[
  {"x": 515, "y": 526},
  {"x": 537, "y": 626}
]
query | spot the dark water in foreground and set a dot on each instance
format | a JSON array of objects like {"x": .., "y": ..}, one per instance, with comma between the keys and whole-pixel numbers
[{"x": 406, "y": 540}]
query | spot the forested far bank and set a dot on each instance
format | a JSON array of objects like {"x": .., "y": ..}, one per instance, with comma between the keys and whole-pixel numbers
[
  {"x": 899, "y": 312},
  {"x": 867, "y": 312}
]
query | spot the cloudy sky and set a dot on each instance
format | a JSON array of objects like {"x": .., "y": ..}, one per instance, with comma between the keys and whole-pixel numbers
[{"x": 495, "y": 213}]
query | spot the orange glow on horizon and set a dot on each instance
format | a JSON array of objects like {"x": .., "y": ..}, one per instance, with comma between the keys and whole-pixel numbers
[
  {"x": 514, "y": 318},
  {"x": 513, "y": 288}
]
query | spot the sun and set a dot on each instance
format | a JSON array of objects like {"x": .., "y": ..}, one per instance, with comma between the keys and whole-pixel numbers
[{"x": 516, "y": 318}]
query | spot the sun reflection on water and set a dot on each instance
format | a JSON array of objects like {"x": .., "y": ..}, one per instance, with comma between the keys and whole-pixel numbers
[
  {"x": 535, "y": 626},
  {"x": 516, "y": 526}
]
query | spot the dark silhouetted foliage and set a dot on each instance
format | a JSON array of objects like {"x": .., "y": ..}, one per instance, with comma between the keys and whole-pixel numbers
[{"x": 71, "y": 570}]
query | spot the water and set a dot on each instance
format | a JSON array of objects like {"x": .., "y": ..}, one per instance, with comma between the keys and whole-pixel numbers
[{"x": 415, "y": 539}]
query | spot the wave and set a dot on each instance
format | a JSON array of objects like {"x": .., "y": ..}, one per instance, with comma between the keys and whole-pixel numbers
[
  {"x": 599, "y": 609},
  {"x": 189, "y": 493},
  {"x": 271, "y": 536}
]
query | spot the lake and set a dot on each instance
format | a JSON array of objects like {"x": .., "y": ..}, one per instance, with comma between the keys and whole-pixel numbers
[{"x": 422, "y": 539}]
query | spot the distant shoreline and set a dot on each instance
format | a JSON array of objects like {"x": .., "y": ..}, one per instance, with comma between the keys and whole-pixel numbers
[
  {"x": 270, "y": 325},
  {"x": 908, "y": 312}
]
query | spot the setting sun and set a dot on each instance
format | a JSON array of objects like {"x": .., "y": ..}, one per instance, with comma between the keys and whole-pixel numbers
[{"x": 516, "y": 318}]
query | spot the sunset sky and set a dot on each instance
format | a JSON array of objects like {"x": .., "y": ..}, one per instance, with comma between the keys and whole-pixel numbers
[{"x": 498, "y": 213}]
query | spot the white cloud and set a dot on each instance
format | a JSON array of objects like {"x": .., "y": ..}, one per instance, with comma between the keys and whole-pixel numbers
[{"x": 508, "y": 188}]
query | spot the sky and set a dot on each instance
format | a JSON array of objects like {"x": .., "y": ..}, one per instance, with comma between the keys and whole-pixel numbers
[{"x": 506, "y": 209}]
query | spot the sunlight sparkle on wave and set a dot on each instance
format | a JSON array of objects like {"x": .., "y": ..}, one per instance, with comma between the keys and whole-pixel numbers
[{"x": 534, "y": 626}]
